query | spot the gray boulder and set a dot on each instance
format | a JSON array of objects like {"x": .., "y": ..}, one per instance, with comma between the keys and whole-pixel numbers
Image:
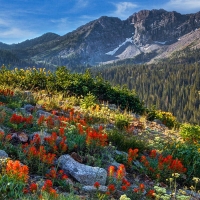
[
  {"x": 3, "y": 154},
  {"x": 85, "y": 174}
]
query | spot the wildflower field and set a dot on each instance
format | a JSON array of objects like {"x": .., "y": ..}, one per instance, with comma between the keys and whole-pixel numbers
[{"x": 146, "y": 153}]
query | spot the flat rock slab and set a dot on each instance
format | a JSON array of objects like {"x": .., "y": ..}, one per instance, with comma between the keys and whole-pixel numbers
[
  {"x": 85, "y": 174},
  {"x": 93, "y": 189}
]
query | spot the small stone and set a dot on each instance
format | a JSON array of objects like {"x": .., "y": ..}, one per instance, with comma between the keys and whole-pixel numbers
[{"x": 88, "y": 188}]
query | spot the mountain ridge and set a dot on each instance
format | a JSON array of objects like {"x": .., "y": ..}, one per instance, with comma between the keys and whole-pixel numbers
[{"x": 109, "y": 39}]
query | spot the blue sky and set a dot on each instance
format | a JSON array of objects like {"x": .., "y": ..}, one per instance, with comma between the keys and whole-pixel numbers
[{"x": 27, "y": 19}]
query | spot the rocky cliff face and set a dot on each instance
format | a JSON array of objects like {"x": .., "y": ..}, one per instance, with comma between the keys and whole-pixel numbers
[
  {"x": 108, "y": 39},
  {"x": 162, "y": 26}
]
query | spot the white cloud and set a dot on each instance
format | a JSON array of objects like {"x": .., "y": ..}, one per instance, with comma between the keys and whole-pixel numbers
[
  {"x": 124, "y": 9},
  {"x": 183, "y": 6},
  {"x": 14, "y": 30},
  {"x": 15, "y": 33},
  {"x": 79, "y": 5},
  {"x": 61, "y": 24}
]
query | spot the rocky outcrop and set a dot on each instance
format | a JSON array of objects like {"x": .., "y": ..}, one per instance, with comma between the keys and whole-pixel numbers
[
  {"x": 162, "y": 26},
  {"x": 85, "y": 174}
]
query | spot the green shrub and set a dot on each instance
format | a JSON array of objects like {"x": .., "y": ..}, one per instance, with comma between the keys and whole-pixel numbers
[
  {"x": 123, "y": 142},
  {"x": 190, "y": 132},
  {"x": 88, "y": 101},
  {"x": 166, "y": 118},
  {"x": 121, "y": 121}
]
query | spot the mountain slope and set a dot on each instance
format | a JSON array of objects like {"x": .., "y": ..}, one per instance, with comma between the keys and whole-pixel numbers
[{"x": 141, "y": 37}]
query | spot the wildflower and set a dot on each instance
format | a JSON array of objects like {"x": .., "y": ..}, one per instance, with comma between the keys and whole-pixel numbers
[
  {"x": 8, "y": 137},
  {"x": 47, "y": 185},
  {"x": 61, "y": 132},
  {"x": 41, "y": 120},
  {"x": 25, "y": 191},
  {"x": 111, "y": 188},
  {"x": 153, "y": 153},
  {"x": 64, "y": 177},
  {"x": 96, "y": 185},
  {"x": 196, "y": 179},
  {"x": 124, "y": 197},
  {"x": 141, "y": 187},
  {"x": 120, "y": 172},
  {"x": 48, "y": 188},
  {"x": 136, "y": 190},
  {"x": 125, "y": 182},
  {"x": 1, "y": 135},
  {"x": 132, "y": 155},
  {"x": 52, "y": 174},
  {"x": 15, "y": 170},
  {"x": 177, "y": 167},
  {"x": 124, "y": 187},
  {"x": 33, "y": 187},
  {"x": 150, "y": 193},
  {"x": 111, "y": 171}
]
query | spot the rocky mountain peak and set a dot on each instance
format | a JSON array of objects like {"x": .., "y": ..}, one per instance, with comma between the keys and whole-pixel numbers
[{"x": 109, "y": 39}]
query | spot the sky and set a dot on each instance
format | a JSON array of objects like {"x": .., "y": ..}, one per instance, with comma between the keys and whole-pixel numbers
[{"x": 26, "y": 19}]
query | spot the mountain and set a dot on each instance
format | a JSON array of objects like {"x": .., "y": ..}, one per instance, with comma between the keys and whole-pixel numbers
[{"x": 144, "y": 37}]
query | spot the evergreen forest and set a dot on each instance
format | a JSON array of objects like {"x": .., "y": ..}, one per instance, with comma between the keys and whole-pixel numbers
[{"x": 170, "y": 85}]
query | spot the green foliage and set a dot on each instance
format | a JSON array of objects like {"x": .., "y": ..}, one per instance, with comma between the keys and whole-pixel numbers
[
  {"x": 123, "y": 142},
  {"x": 10, "y": 188},
  {"x": 190, "y": 132},
  {"x": 72, "y": 84},
  {"x": 75, "y": 141},
  {"x": 88, "y": 101},
  {"x": 121, "y": 121},
  {"x": 166, "y": 118}
]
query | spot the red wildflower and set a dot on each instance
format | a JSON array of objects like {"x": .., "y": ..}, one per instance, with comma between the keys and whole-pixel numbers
[
  {"x": 132, "y": 155},
  {"x": 150, "y": 193},
  {"x": 141, "y": 187},
  {"x": 64, "y": 177},
  {"x": 153, "y": 153},
  {"x": 124, "y": 187},
  {"x": 120, "y": 172},
  {"x": 96, "y": 185},
  {"x": 111, "y": 188},
  {"x": 33, "y": 187},
  {"x": 111, "y": 171}
]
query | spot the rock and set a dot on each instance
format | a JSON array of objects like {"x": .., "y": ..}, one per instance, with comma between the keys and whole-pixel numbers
[
  {"x": 41, "y": 112},
  {"x": 90, "y": 189},
  {"x": 29, "y": 108},
  {"x": 117, "y": 152},
  {"x": 85, "y": 174},
  {"x": 21, "y": 137},
  {"x": 3, "y": 154},
  {"x": 157, "y": 121},
  {"x": 76, "y": 157},
  {"x": 1, "y": 130},
  {"x": 112, "y": 106},
  {"x": 110, "y": 126}
]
